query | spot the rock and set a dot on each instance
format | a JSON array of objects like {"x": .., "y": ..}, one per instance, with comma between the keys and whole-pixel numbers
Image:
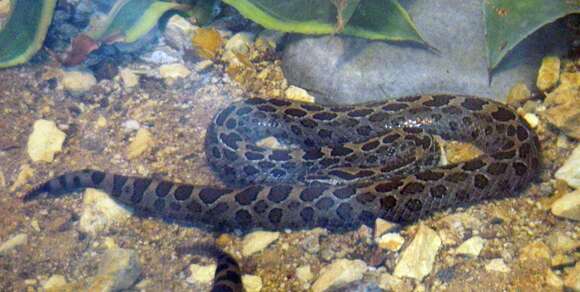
[
  {"x": 561, "y": 260},
  {"x": 560, "y": 242},
  {"x": 26, "y": 172},
  {"x": 201, "y": 274},
  {"x": 570, "y": 171},
  {"x": 269, "y": 39},
  {"x": 202, "y": 65},
  {"x": 417, "y": 259},
  {"x": 568, "y": 206},
  {"x": 129, "y": 78},
  {"x": 383, "y": 226},
  {"x": 240, "y": 43},
  {"x": 535, "y": 251},
  {"x": 554, "y": 281},
  {"x": 532, "y": 120},
  {"x": 518, "y": 94},
  {"x": 142, "y": 143},
  {"x": 252, "y": 283},
  {"x": 304, "y": 274},
  {"x": 338, "y": 273},
  {"x": 391, "y": 241},
  {"x": 471, "y": 247},
  {"x": 162, "y": 55},
  {"x": 172, "y": 72},
  {"x": 178, "y": 33},
  {"x": 100, "y": 212},
  {"x": 572, "y": 278},
  {"x": 342, "y": 69},
  {"x": 389, "y": 282},
  {"x": 257, "y": 241},
  {"x": 78, "y": 82},
  {"x": 131, "y": 125},
  {"x": 298, "y": 94},
  {"x": 14, "y": 242},
  {"x": 54, "y": 283},
  {"x": 497, "y": 265},
  {"x": 45, "y": 141},
  {"x": 569, "y": 79},
  {"x": 563, "y": 110},
  {"x": 549, "y": 73},
  {"x": 118, "y": 270}
]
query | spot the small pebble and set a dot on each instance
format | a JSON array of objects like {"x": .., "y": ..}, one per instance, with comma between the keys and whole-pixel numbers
[
  {"x": 142, "y": 143},
  {"x": 568, "y": 206},
  {"x": 257, "y": 241},
  {"x": 78, "y": 82},
  {"x": 532, "y": 120},
  {"x": 54, "y": 283},
  {"x": 338, "y": 273},
  {"x": 172, "y": 72},
  {"x": 100, "y": 211},
  {"x": 471, "y": 247},
  {"x": 45, "y": 141},
  {"x": 304, "y": 274},
  {"x": 570, "y": 171},
  {"x": 298, "y": 94},
  {"x": 549, "y": 73},
  {"x": 572, "y": 278},
  {"x": 518, "y": 94},
  {"x": 497, "y": 265},
  {"x": 201, "y": 274},
  {"x": 554, "y": 281},
  {"x": 129, "y": 78},
  {"x": 391, "y": 241},
  {"x": 383, "y": 226},
  {"x": 535, "y": 251},
  {"x": 118, "y": 270},
  {"x": 252, "y": 283},
  {"x": 14, "y": 242},
  {"x": 417, "y": 259}
]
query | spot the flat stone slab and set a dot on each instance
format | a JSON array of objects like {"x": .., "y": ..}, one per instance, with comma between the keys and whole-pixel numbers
[{"x": 339, "y": 69}]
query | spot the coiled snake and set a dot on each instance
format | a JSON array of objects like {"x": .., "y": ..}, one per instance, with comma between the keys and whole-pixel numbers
[
  {"x": 345, "y": 165},
  {"x": 352, "y": 163}
]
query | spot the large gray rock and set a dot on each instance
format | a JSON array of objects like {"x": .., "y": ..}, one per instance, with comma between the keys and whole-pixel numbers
[{"x": 340, "y": 69}]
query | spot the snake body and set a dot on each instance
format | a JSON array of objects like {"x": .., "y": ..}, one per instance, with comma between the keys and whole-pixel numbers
[{"x": 345, "y": 165}]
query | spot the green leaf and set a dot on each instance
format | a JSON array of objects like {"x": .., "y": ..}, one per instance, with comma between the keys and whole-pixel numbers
[
  {"x": 372, "y": 19},
  {"x": 129, "y": 20},
  {"x": 508, "y": 22},
  {"x": 24, "y": 33}
]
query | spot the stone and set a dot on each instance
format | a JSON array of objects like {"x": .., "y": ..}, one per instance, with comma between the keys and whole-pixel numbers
[
  {"x": 342, "y": 69},
  {"x": 389, "y": 282},
  {"x": 569, "y": 79},
  {"x": 54, "y": 283},
  {"x": 269, "y": 39},
  {"x": 252, "y": 283},
  {"x": 131, "y": 125},
  {"x": 417, "y": 259},
  {"x": 338, "y": 273},
  {"x": 560, "y": 242},
  {"x": 532, "y": 120},
  {"x": 142, "y": 143},
  {"x": 25, "y": 173},
  {"x": 129, "y": 78},
  {"x": 535, "y": 251},
  {"x": 78, "y": 82},
  {"x": 118, "y": 270},
  {"x": 554, "y": 281},
  {"x": 14, "y": 242},
  {"x": 390, "y": 241},
  {"x": 172, "y": 72},
  {"x": 257, "y": 241},
  {"x": 240, "y": 43},
  {"x": 178, "y": 32},
  {"x": 304, "y": 274},
  {"x": 162, "y": 55},
  {"x": 497, "y": 265},
  {"x": 471, "y": 247},
  {"x": 570, "y": 171},
  {"x": 200, "y": 274},
  {"x": 568, "y": 206},
  {"x": 100, "y": 211},
  {"x": 563, "y": 110},
  {"x": 45, "y": 141},
  {"x": 518, "y": 94},
  {"x": 549, "y": 73},
  {"x": 383, "y": 226},
  {"x": 298, "y": 94},
  {"x": 572, "y": 278}
]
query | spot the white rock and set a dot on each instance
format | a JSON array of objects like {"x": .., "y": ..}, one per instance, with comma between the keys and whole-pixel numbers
[
  {"x": 162, "y": 55},
  {"x": 45, "y": 141},
  {"x": 568, "y": 206},
  {"x": 298, "y": 94},
  {"x": 241, "y": 43},
  {"x": 417, "y": 259},
  {"x": 201, "y": 274},
  {"x": 471, "y": 247},
  {"x": 14, "y": 242},
  {"x": 54, "y": 282},
  {"x": 389, "y": 282},
  {"x": 142, "y": 143},
  {"x": 553, "y": 280},
  {"x": 131, "y": 125},
  {"x": 118, "y": 270},
  {"x": 78, "y": 82},
  {"x": 129, "y": 78},
  {"x": 572, "y": 278},
  {"x": 257, "y": 241},
  {"x": 570, "y": 171},
  {"x": 100, "y": 212},
  {"x": 497, "y": 265},
  {"x": 171, "y": 72},
  {"x": 304, "y": 273},
  {"x": 178, "y": 32},
  {"x": 383, "y": 226},
  {"x": 532, "y": 119},
  {"x": 338, "y": 273},
  {"x": 252, "y": 283},
  {"x": 390, "y": 241}
]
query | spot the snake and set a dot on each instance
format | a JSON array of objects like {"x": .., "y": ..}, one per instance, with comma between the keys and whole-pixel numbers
[{"x": 337, "y": 166}]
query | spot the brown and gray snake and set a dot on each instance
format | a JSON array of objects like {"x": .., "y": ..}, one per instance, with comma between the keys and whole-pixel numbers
[{"x": 344, "y": 165}]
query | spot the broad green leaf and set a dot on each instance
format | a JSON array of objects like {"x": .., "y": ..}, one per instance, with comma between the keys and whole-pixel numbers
[
  {"x": 131, "y": 19},
  {"x": 371, "y": 19},
  {"x": 508, "y": 22},
  {"x": 25, "y": 30}
]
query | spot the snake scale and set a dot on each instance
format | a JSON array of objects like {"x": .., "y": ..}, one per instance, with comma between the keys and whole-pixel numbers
[{"x": 343, "y": 165}]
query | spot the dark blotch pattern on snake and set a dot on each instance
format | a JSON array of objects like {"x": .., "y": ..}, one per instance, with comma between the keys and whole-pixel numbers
[{"x": 345, "y": 165}]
